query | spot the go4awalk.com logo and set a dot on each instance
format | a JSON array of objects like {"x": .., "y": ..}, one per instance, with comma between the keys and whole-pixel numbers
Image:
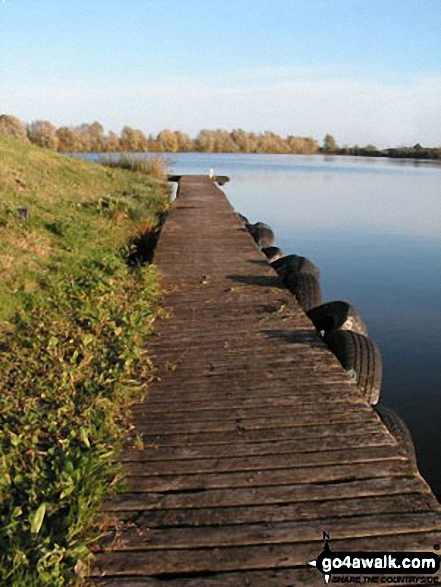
[{"x": 406, "y": 568}]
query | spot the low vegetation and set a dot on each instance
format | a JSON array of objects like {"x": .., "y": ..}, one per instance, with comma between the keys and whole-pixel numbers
[
  {"x": 155, "y": 167},
  {"x": 74, "y": 317}
]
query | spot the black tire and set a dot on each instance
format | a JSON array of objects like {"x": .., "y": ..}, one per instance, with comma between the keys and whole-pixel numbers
[
  {"x": 335, "y": 315},
  {"x": 399, "y": 431},
  {"x": 306, "y": 289},
  {"x": 265, "y": 238},
  {"x": 361, "y": 358},
  {"x": 296, "y": 263},
  {"x": 272, "y": 253},
  {"x": 253, "y": 228},
  {"x": 262, "y": 234}
]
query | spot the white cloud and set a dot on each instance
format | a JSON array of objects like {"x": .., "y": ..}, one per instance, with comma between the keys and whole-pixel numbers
[{"x": 284, "y": 99}]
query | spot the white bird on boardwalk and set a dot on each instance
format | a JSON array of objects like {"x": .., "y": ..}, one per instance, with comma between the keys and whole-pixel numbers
[{"x": 211, "y": 173}]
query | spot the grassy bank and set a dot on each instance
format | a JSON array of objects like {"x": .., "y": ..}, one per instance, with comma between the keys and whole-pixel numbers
[{"x": 73, "y": 320}]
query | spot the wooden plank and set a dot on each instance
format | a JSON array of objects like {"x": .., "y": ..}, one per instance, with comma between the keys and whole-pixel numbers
[
  {"x": 205, "y": 391},
  {"x": 273, "y": 494},
  {"x": 287, "y": 511},
  {"x": 271, "y": 556},
  {"x": 139, "y": 464},
  {"x": 241, "y": 434},
  {"x": 308, "y": 451},
  {"x": 160, "y": 403},
  {"x": 298, "y": 421},
  {"x": 300, "y": 531},
  {"x": 303, "y": 357},
  {"x": 224, "y": 348},
  {"x": 265, "y": 413},
  {"x": 236, "y": 407},
  {"x": 236, "y": 331},
  {"x": 324, "y": 474},
  {"x": 339, "y": 450}
]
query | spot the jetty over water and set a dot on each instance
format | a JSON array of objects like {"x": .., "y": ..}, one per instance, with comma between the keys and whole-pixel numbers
[{"x": 256, "y": 441}]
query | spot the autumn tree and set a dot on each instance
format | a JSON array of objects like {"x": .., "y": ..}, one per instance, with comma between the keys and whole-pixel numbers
[
  {"x": 270, "y": 142},
  {"x": 43, "y": 134},
  {"x": 13, "y": 127},
  {"x": 246, "y": 142},
  {"x": 185, "y": 144},
  {"x": 223, "y": 142},
  {"x": 92, "y": 136},
  {"x": 301, "y": 145},
  {"x": 311, "y": 146},
  {"x": 69, "y": 140},
  {"x": 167, "y": 141},
  {"x": 96, "y": 132},
  {"x": 205, "y": 141},
  {"x": 152, "y": 145},
  {"x": 133, "y": 140},
  {"x": 111, "y": 142}
]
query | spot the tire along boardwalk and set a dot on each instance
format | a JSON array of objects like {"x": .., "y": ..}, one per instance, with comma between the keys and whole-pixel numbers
[{"x": 255, "y": 439}]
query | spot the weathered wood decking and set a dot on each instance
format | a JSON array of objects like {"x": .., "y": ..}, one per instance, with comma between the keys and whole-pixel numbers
[{"x": 255, "y": 439}]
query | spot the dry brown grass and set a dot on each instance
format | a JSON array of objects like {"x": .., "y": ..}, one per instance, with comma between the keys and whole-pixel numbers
[{"x": 156, "y": 166}]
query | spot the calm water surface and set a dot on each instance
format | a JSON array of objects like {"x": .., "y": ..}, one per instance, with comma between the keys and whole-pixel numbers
[{"x": 373, "y": 226}]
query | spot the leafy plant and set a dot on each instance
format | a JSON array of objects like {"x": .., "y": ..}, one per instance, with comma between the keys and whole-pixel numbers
[{"x": 72, "y": 358}]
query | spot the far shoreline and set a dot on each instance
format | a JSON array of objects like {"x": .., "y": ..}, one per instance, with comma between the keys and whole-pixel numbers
[{"x": 97, "y": 155}]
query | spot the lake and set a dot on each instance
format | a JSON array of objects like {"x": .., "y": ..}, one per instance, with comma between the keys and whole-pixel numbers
[{"x": 373, "y": 226}]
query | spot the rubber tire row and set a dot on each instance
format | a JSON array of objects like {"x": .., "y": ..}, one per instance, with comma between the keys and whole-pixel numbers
[{"x": 357, "y": 354}]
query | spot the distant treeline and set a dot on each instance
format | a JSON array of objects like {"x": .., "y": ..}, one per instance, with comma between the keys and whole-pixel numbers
[
  {"x": 91, "y": 138},
  {"x": 415, "y": 152}
]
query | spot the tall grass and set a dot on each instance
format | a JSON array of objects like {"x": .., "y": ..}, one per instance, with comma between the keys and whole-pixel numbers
[
  {"x": 72, "y": 358},
  {"x": 155, "y": 166}
]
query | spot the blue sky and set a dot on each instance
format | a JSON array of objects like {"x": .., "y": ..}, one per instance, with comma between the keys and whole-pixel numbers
[{"x": 363, "y": 70}]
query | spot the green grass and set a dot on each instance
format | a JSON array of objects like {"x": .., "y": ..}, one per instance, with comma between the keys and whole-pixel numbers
[{"x": 74, "y": 318}]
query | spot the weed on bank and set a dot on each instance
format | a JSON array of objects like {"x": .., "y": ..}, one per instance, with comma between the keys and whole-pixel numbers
[{"x": 74, "y": 318}]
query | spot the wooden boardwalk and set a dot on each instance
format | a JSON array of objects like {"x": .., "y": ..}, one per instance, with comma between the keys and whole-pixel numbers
[{"x": 256, "y": 441}]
